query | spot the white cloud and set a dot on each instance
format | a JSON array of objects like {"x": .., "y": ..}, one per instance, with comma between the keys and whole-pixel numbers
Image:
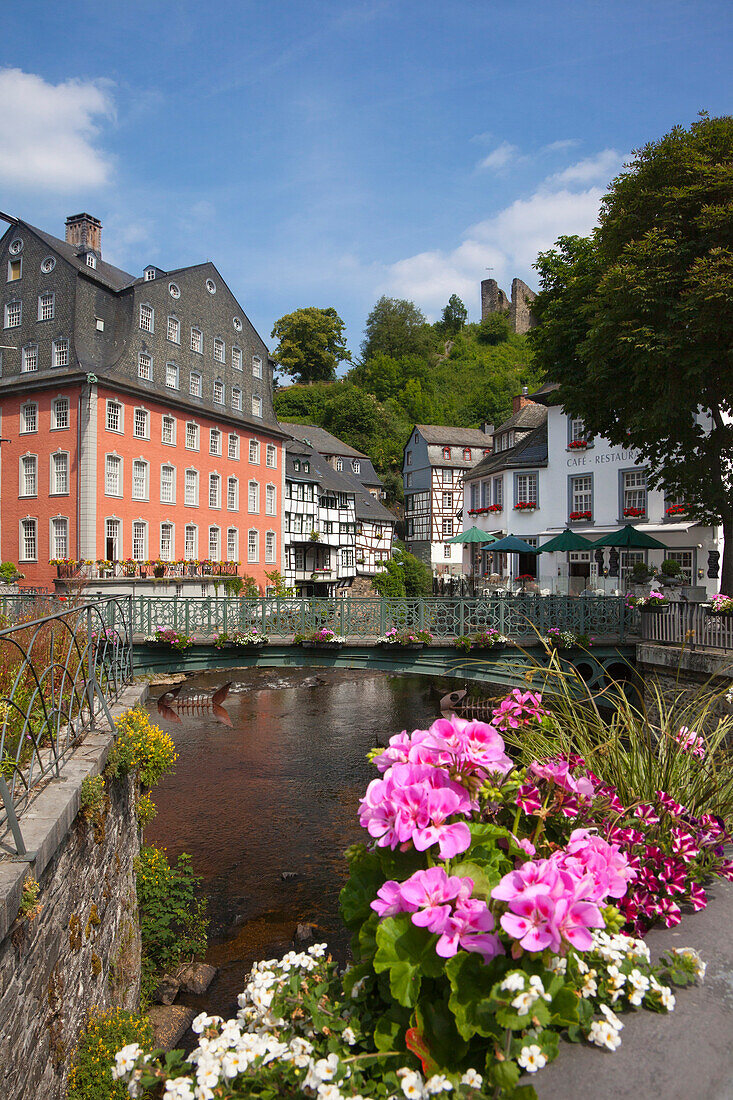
[
  {"x": 560, "y": 146},
  {"x": 48, "y": 133},
  {"x": 600, "y": 168},
  {"x": 501, "y": 157}
]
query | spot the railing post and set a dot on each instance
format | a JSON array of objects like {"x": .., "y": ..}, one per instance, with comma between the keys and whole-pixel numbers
[
  {"x": 421, "y": 613},
  {"x": 382, "y": 616},
  {"x": 461, "y": 618}
]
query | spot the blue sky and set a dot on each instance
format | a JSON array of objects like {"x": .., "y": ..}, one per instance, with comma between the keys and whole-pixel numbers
[{"x": 326, "y": 153}]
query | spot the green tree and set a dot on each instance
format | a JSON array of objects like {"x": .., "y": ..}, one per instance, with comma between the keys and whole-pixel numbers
[
  {"x": 310, "y": 344},
  {"x": 405, "y": 575},
  {"x": 636, "y": 322},
  {"x": 494, "y": 329},
  {"x": 454, "y": 316},
  {"x": 395, "y": 327}
]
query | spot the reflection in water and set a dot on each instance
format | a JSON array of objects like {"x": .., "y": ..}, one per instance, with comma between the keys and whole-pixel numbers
[
  {"x": 171, "y": 704},
  {"x": 267, "y": 806}
]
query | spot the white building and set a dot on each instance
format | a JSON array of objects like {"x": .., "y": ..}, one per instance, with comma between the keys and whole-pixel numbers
[
  {"x": 537, "y": 483},
  {"x": 435, "y": 460}
]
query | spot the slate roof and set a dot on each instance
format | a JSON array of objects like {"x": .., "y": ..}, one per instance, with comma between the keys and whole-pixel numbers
[
  {"x": 107, "y": 274},
  {"x": 528, "y": 417},
  {"x": 453, "y": 437},
  {"x": 367, "y": 507},
  {"x": 530, "y": 451},
  {"x": 326, "y": 444},
  {"x": 296, "y": 449}
]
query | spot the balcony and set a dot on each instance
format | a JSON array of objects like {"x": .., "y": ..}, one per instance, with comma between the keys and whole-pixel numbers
[{"x": 68, "y": 569}]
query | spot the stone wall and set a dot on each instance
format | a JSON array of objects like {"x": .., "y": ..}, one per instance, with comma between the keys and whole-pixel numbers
[
  {"x": 518, "y": 310},
  {"x": 681, "y": 674},
  {"x": 83, "y": 949}
]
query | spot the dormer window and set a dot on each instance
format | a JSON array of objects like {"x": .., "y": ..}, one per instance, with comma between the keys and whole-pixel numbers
[
  {"x": 149, "y": 274},
  {"x": 355, "y": 466},
  {"x": 91, "y": 260},
  {"x": 296, "y": 463},
  {"x": 446, "y": 452},
  {"x": 466, "y": 454}
]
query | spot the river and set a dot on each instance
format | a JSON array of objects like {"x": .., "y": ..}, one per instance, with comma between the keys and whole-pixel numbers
[{"x": 267, "y": 805}]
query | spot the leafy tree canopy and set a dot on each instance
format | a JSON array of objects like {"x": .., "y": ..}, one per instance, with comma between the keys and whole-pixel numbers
[
  {"x": 454, "y": 316},
  {"x": 311, "y": 344},
  {"x": 404, "y": 575},
  {"x": 396, "y": 327},
  {"x": 494, "y": 329},
  {"x": 636, "y": 321}
]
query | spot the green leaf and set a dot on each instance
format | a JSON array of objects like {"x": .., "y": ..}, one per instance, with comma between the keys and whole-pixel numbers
[
  {"x": 503, "y": 1074},
  {"x": 564, "y": 1007},
  {"x": 471, "y": 981},
  {"x": 364, "y": 881},
  {"x": 539, "y": 1012},
  {"x": 389, "y": 1030},
  {"x": 438, "y": 1027},
  {"x": 406, "y": 953}
]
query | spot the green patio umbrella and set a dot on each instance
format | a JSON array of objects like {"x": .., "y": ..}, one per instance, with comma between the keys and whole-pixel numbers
[
  {"x": 629, "y": 537},
  {"x": 568, "y": 540},
  {"x": 473, "y": 534},
  {"x": 512, "y": 545}
]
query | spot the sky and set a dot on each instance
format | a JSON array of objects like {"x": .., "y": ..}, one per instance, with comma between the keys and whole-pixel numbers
[{"x": 326, "y": 153}]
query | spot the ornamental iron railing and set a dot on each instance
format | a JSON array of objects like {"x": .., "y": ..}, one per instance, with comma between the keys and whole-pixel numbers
[
  {"x": 205, "y": 617},
  {"x": 58, "y": 676},
  {"x": 689, "y": 624},
  {"x": 90, "y": 570}
]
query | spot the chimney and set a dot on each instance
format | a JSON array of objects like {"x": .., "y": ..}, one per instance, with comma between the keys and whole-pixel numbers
[
  {"x": 520, "y": 400},
  {"x": 84, "y": 233},
  {"x": 486, "y": 428}
]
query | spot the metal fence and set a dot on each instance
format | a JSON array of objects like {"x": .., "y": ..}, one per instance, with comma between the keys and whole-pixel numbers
[
  {"x": 688, "y": 624},
  {"x": 205, "y": 617},
  {"x": 58, "y": 675}
]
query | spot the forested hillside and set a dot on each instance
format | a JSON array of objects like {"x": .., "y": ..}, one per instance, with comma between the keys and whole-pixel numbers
[{"x": 437, "y": 374}]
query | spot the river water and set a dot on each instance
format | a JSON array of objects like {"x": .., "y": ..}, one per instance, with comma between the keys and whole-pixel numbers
[{"x": 275, "y": 794}]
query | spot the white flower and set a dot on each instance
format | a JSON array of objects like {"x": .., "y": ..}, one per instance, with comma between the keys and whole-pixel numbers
[
  {"x": 329, "y": 1092},
  {"x": 523, "y": 1001},
  {"x": 202, "y": 1021},
  {"x": 589, "y": 987},
  {"x": 513, "y": 982},
  {"x": 326, "y": 1067},
  {"x": 640, "y": 984},
  {"x": 558, "y": 965},
  {"x": 603, "y": 1035},
  {"x": 582, "y": 967},
  {"x": 473, "y": 1079},
  {"x": 667, "y": 997},
  {"x": 180, "y": 1088},
  {"x": 438, "y": 1083},
  {"x": 690, "y": 953},
  {"x": 348, "y": 1036},
  {"x": 536, "y": 983},
  {"x": 531, "y": 1058},
  {"x": 616, "y": 981},
  {"x": 412, "y": 1085},
  {"x": 125, "y": 1060},
  {"x": 611, "y": 1017}
]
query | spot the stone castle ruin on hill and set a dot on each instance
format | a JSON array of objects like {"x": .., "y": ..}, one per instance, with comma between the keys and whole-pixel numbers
[{"x": 518, "y": 310}]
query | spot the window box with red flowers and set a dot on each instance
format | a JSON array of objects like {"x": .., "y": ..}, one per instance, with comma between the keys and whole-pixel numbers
[
  {"x": 634, "y": 513},
  {"x": 525, "y": 506},
  {"x": 576, "y": 517},
  {"x": 578, "y": 445},
  {"x": 677, "y": 510}
]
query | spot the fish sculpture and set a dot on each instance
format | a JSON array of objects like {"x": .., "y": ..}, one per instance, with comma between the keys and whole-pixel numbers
[{"x": 171, "y": 704}]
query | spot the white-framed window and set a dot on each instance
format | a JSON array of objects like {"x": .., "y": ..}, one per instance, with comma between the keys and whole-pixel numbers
[
  {"x": 237, "y": 358},
  {"x": 253, "y": 546},
  {"x": 59, "y": 473},
  {"x": 29, "y": 417},
  {"x": 581, "y": 493},
  {"x": 271, "y": 456},
  {"x": 114, "y": 420},
  {"x": 46, "y": 305},
  {"x": 145, "y": 366},
  {"x": 60, "y": 353},
  {"x": 232, "y": 494},
  {"x": 173, "y": 331},
  {"x": 408, "y": 458},
  {"x": 256, "y": 405},
  {"x": 113, "y": 539},
  {"x": 577, "y": 430},
  {"x": 254, "y": 452},
  {"x": 347, "y": 559},
  {"x": 171, "y": 376},
  {"x": 147, "y": 318},
  {"x": 339, "y": 464},
  {"x": 174, "y": 290},
  {"x": 269, "y": 547},
  {"x": 15, "y": 269},
  {"x": 214, "y": 544},
  {"x": 168, "y": 430},
  {"x": 29, "y": 476},
  {"x": 91, "y": 260},
  {"x": 256, "y": 366},
  {"x": 233, "y": 449},
  {"x": 113, "y": 476},
  {"x": 60, "y": 413},
  {"x": 197, "y": 341},
  {"x": 167, "y": 484},
  {"x": 149, "y": 274},
  {"x": 447, "y": 501},
  {"x": 191, "y": 490},
  {"x": 253, "y": 497},
  {"x": 214, "y": 441},
  {"x": 28, "y": 540},
  {"x": 526, "y": 489},
  {"x": 355, "y": 466},
  {"x": 190, "y": 542},
  {"x": 139, "y": 540},
  {"x": 408, "y": 482},
  {"x": 166, "y": 542},
  {"x": 446, "y": 550},
  {"x": 270, "y": 500},
  {"x": 29, "y": 361},
  {"x": 218, "y": 391},
  {"x": 195, "y": 384},
  {"x": 141, "y": 424},
  {"x": 192, "y": 436},
  {"x": 232, "y": 544},
  {"x": 13, "y": 314},
  {"x": 498, "y": 490},
  {"x": 211, "y": 286},
  {"x": 99, "y": 324},
  {"x": 236, "y": 399},
  {"x": 140, "y": 479},
  {"x": 634, "y": 490},
  {"x": 447, "y": 528},
  {"x": 59, "y": 537},
  {"x": 214, "y": 491},
  {"x": 686, "y": 561},
  {"x": 219, "y": 350}
]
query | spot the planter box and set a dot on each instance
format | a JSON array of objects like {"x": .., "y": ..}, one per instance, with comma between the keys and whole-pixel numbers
[
  {"x": 718, "y": 614},
  {"x": 322, "y": 645},
  {"x": 245, "y": 646},
  {"x": 398, "y": 645},
  {"x": 660, "y": 609}
]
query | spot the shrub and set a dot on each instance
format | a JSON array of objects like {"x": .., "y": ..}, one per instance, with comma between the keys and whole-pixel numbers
[
  {"x": 172, "y": 918},
  {"x": 142, "y": 747},
  {"x": 90, "y": 1072},
  {"x": 30, "y": 906},
  {"x": 91, "y": 797},
  {"x": 9, "y": 572}
]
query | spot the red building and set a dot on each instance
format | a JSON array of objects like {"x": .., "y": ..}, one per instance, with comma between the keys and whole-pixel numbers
[{"x": 136, "y": 415}]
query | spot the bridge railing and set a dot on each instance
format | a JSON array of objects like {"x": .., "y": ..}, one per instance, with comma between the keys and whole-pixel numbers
[
  {"x": 206, "y": 617},
  {"x": 688, "y": 624},
  {"x": 58, "y": 675}
]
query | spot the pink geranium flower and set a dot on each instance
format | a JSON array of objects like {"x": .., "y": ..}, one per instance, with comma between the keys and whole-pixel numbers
[
  {"x": 470, "y": 927},
  {"x": 531, "y": 921}
]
